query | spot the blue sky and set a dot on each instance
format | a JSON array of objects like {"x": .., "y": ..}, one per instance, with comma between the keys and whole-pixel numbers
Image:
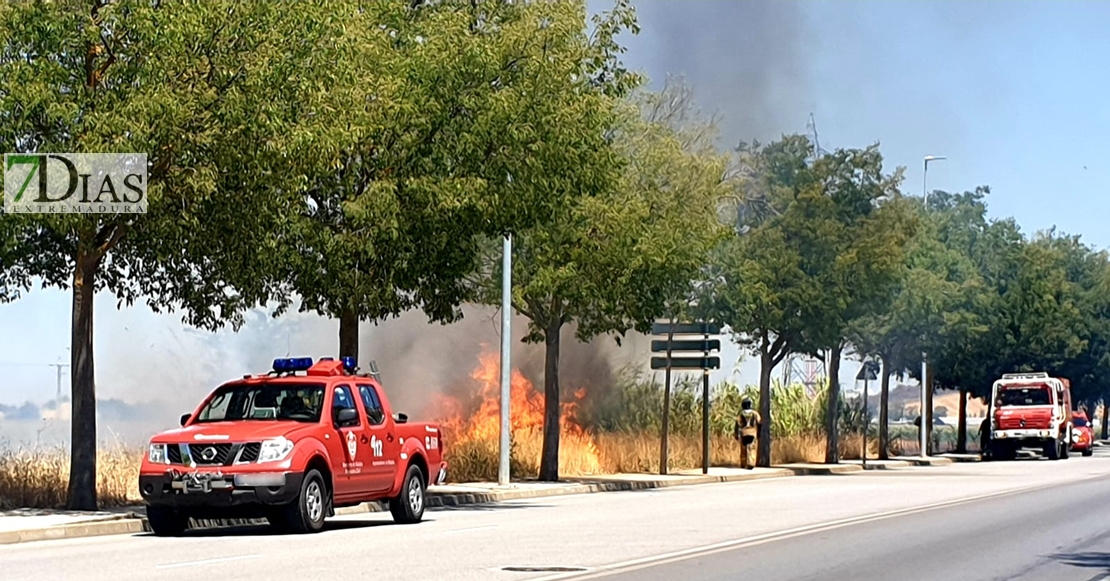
[{"x": 1011, "y": 92}]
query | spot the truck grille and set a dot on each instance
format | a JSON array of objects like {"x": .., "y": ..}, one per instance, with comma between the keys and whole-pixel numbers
[
  {"x": 1023, "y": 423},
  {"x": 221, "y": 454},
  {"x": 211, "y": 454},
  {"x": 250, "y": 452}
]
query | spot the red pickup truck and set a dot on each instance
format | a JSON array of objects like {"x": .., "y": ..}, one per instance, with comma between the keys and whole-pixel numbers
[{"x": 291, "y": 446}]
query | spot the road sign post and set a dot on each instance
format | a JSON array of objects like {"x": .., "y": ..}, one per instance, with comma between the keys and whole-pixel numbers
[
  {"x": 703, "y": 347},
  {"x": 869, "y": 371}
]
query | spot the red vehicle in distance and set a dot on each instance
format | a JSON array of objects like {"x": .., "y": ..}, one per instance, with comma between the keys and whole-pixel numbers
[
  {"x": 1082, "y": 438},
  {"x": 1028, "y": 410},
  {"x": 291, "y": 446}
]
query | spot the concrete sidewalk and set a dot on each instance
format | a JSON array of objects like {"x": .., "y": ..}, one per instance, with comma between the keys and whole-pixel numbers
[{"x": 26, "y": 525}]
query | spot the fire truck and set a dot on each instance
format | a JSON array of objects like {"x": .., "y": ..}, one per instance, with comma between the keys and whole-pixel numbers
[{"x": 1028, "y": 410}]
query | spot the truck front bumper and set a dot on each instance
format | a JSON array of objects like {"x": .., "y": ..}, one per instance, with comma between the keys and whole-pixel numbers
[
  {"x": 218, "y": 495},
  {"x": 1022, "y": 435}
]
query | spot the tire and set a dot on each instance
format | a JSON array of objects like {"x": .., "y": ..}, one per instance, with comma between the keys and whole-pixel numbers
[
  {"x": 306, "y": 514},
  {"x": 166, "y": 522},
  {"x": 1065, "y": 449},
  {"x": 408, "y": 506},
  {"x": 1052, "y": 450}
]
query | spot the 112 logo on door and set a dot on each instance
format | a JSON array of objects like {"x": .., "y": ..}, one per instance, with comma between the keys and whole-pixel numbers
[{"x": 376, "y": 446}]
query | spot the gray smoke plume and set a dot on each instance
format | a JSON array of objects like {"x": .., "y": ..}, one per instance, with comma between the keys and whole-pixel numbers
[
  {"x": 419, "y": 360},
  {"x": 744, "y": 59}
]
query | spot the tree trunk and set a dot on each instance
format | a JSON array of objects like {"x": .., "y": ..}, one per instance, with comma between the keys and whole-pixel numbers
[
  {"x": 1105, "y": 423},
  {"x": 832, "y": 409},
  {"x": 81, "y": 494},
  {"x": 549, "y": 457},
  {"x": 961, "y": 426},
  {"x": 884, "y": 413},
  {"x": 348, "y": 334},
  {"x": 766, "y": 364}
]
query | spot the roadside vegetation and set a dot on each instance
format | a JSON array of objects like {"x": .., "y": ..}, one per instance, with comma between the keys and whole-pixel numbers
[{"x": 384, "y": 182}]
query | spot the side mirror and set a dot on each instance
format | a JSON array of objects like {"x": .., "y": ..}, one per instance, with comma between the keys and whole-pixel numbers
[
  {"x": 400, "y": 418},
  {"x": 346, "y": 416},
  {"x": 185, "y": 418}
]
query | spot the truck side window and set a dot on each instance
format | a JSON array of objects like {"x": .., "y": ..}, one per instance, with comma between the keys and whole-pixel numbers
[
  {"x": 374, "y": 412},
  {"x": 343, "y": 399}
]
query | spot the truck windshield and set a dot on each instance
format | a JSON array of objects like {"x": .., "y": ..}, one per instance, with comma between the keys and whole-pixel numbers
[
  {"x": 1080, "y": 422},
  {"x": 264, "y": 402},
  {"x": 1024, "y": 396}
]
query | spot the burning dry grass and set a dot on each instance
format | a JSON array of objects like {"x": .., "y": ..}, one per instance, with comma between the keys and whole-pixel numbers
[
  {"x": 615, "y": 431},
  {"x": 38, "y": 477},
  {"x": 477, "y": 460}
]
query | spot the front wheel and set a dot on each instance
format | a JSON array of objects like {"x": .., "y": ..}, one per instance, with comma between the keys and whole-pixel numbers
[
  {"x": 408, "y": 506},
  {"x": 306, "y": 513},
  {"x": 166, "y": 522},
  {"x": 1052, "y": 450}
]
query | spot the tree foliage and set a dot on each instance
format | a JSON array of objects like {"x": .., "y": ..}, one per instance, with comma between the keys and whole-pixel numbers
[
  {"x": 827, "y": 255},
  {"x": 481, "y": 118},
  {"x": 619, "y": 258},
  {"x": 234, "y": 118}
]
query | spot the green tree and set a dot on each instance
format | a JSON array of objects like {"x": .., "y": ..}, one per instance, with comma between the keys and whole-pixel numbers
[
  {"x": 481, "y": 110},
  {"x": 822, "y": 252},
  {"x": 756, "y": 281},
  {"x": 233, "y": 115},
  {"x": 858, "y": 226},
  {"x": 619, "y": 258},
  {"x": 933, "y": 303}
]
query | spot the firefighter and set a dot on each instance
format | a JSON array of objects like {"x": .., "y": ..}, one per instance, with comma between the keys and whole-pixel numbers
[{"x": 746, "y": 430}]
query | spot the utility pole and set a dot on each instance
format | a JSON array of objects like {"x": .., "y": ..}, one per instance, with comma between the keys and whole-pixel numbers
[
  {"x": 506, "y": 368},
  {"x": 924, "y": 432},
  {"x": 59, "y": 366}
]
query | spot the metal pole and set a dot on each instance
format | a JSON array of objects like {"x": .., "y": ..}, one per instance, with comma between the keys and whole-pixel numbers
[
  {"x": 705, "y": 408},
  {"x": 866, "y": 418},
  {"x": 924, "y": 386},
  {"x": 923, "y": 433},
  {"x": 666, "y": 403},
  {"x": 506, "y": 367}
]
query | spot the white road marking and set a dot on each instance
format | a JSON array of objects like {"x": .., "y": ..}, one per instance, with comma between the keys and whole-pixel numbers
[
  {"x": 468, "y": 529},
  {"x": 206, "y": 562},
  {"x": 655, "y": 560}
]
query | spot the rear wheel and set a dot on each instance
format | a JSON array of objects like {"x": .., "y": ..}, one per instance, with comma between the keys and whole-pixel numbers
[
  {"x": 408, "y": 506},
  {"x": 1088, "y": 452},
  {"x": 166, "y": 522},
  {"x": 306, "y": 514}
]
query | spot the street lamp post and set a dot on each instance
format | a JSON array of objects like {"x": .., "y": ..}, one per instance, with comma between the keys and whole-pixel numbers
[{"x": 924, "y": 357}]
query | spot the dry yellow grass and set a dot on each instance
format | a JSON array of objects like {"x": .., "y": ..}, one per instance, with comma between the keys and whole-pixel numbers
[{"x": 37, "y": 477}]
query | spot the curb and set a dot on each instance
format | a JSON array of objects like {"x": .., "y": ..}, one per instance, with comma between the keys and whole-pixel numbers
[
  {"x": 822, "y": 469},
  {"x": 135, "y": 522},
  {"x": 76, "y": 530}
]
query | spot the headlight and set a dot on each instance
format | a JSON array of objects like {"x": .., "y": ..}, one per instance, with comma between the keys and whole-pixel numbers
[
  {"x": 275, "y": 450},
  {"x": 157, "y": 454}
]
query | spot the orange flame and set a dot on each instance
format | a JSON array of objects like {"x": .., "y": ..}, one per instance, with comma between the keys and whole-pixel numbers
[{"x": 526, "y": 413}]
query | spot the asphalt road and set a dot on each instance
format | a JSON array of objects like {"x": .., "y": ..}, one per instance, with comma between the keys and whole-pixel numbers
[{"x": 1027, "y": 520}]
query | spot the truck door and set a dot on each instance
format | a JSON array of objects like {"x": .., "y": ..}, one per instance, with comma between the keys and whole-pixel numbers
[
  {"x": 385, "y": 446},
  {"x": 352, "y": 468}
]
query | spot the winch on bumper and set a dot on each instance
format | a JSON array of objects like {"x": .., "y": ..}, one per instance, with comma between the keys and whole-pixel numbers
[{"x": 199, "y": 490}]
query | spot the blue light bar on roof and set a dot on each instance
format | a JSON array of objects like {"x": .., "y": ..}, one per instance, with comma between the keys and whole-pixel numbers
[
  {"x": 349, "y": 362},
  {"x": 292, "y": 364}
]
